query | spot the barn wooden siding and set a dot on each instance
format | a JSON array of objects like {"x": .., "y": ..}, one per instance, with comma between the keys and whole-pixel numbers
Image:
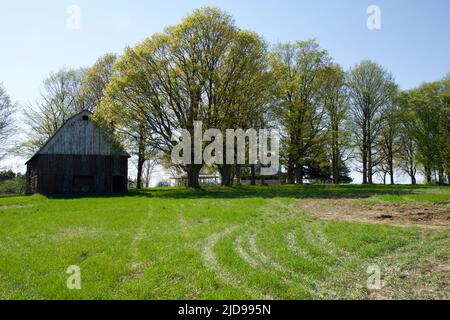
[
  {"x": 75, "y": 174},
  {"x": 78, "y": 159},
  {"x": 80, "y": 137}
]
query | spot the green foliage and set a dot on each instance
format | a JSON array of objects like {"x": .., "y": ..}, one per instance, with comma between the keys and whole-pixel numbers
[
  {"x": 59, "y": 101},
  {"x": 202, "y": 69},
  {"x": 426, "y": 112},
  {"x": 371, "y": 91},
  {"x": 12, "y": 184},
  {"x": 298, "y": 71},
  {"x": 95, "y": 81},
  {"x": 65, "y": 93}
]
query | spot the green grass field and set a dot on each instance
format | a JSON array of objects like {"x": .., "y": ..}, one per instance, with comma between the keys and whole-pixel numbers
[{"x": 223, "y": 243}]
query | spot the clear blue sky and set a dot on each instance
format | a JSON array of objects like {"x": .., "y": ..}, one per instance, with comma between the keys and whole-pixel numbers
[{"x": 413, "y": 43}]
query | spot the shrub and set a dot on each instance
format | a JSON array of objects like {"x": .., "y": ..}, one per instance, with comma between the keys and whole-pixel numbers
[
  {"x": 15, "y": 185},
  {"x": 163, "y": 183}
]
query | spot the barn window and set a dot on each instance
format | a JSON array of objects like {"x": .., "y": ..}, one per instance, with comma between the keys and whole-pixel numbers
[{"x": 85, "y": 118}]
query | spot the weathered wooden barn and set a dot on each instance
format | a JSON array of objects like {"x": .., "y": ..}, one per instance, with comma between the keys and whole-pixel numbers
[{"x": 78, "y": 159}]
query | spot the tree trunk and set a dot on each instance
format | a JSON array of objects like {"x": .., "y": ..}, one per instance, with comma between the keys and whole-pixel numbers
[
  {"x": 263, "y": 180},
  {"x": 336, "y": 155},
  {"x": 369, "y": 167},
  {"x": 391, "y": 170},
  {"x": 299, "y": 174},
  {"x": 441, "y": 176},
  {"x": 291, "y": 170},
  {"x": 291, "y": 175},
  {"x": 141, "y": 160},
  {"x": 193, "y": 172},
  {"x": 225, "y": 171},
  {"x": 238, "y": 174},
  {"x": 364, "y": 150},
  {"x": 412, "y": 171},
  {"x": 147, "y": 180},
  {"x": 336, "y": 170},
  {"x": 253, "y": 174},
  {"x": 364, "y": 170},
  {"x": 427, "y": 175}
]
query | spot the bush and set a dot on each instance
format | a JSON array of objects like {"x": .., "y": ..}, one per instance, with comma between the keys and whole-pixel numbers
[
  {"x": 163, "y": 183},
  {"x": 17, "y": 185}
]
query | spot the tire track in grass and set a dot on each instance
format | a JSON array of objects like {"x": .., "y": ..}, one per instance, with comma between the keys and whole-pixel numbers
[
  {"x": 289, "y": 276},
  {"x": 348, "y": 283},
  {"x": 210, "y": 259},
  {"x": 262, "y": 256},
  {"x": 247, "y": 249},
  {"x": 342, "y": 255},
  {"x": 265, "y": 263},
  {"x": 325, "y": 285},
  {"x": 290, "y": 240},
  {"x": 320, "y": 242},
  {"x": 136, "y": 267},
  {"x": 244, "y": 255},
  {"x": 314, "y": 288},
  {"x": 259, "y": 261}
]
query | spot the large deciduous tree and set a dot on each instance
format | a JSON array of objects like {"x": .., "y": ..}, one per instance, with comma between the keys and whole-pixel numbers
[
  {"x": 336, "y": 106},
  {"x": 59, "y": 101},
  {"x": 406, "y": 156},
  {"x": 371, "y": 90},
  {"x": 95, "y": 81},
  {"x": 298, "y": 101},
  {"x": 389, "y": 139},
  {"x": 203, "y": 69},
  {"x": 64, "y": 94},
  {"x": 427, "y": 123}
]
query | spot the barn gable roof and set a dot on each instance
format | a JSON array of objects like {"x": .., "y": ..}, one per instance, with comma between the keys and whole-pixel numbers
[{"x": 79, "y": 135}]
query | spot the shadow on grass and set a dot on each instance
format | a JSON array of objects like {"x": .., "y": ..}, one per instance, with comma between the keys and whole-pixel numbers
[{"x": 281, "y": 191}]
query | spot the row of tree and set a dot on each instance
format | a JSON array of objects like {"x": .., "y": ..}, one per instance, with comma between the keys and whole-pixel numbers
[{"x": 207, "y": 69}]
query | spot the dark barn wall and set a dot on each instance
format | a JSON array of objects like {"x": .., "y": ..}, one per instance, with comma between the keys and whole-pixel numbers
[
  {"x": 78, "y": 159},
  {"x": 77, "y": 174}
]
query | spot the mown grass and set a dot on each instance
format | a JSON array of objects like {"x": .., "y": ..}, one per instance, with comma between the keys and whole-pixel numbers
[{"x": 219, "y": 243}]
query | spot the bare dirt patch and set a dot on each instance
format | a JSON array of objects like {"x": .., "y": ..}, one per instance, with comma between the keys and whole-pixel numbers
[
  {"x": 438, "y": 267},
  {"x": 434, "y": 216}
]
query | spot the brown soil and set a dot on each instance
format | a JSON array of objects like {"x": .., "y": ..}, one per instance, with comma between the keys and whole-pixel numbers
[
  {"x": 438, "y": 267},
  {"x": 427, "y": 216}
]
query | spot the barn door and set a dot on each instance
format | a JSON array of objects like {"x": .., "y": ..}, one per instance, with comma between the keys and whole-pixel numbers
[{"x": 119, "y": 184}]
